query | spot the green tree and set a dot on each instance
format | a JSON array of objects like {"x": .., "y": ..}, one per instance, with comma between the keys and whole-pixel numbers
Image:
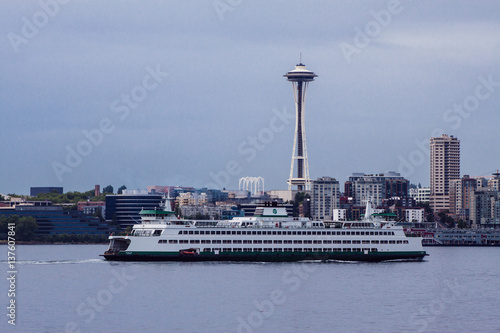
[
  {"x": 26, "y": 228},
  {"x": 121, "y": 188},
  {"x": 301, "y": 198},
  {"x": 108, "y": 189}
]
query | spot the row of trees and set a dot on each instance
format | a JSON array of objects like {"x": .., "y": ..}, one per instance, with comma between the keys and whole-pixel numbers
[{"x": 26, "y": 227}]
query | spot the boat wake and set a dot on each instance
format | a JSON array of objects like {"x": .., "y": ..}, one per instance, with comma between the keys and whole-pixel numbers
[{"x": 56, "y": 262}]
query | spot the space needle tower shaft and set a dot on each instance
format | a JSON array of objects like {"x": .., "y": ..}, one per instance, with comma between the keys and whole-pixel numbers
[{"x": 300, "y": 78}]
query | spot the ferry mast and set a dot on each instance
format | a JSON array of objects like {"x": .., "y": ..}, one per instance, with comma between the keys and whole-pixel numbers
[{"x": 300, "y": 78}]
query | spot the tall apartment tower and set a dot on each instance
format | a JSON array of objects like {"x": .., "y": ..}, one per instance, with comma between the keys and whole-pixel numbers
[
  {"x": 445, "y": 167},
  {"x": 325, "y": 198}
]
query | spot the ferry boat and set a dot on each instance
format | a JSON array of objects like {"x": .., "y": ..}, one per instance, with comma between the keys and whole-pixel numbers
[{"x": 269, "y": 235}]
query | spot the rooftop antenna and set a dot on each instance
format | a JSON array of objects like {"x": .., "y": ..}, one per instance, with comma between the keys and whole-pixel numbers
[{"x": 300, "y": 58}]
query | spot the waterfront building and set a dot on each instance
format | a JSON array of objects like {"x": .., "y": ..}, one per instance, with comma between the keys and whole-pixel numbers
[
  {"x": 361, "y": 187},
  {"x": 123, "y": 209},
  {"x": 53, "y": 220},
  {"x": 485, "y": 204},
  {"x": 210, "y": 211},
  {"x": 415, "y": 215},
  {"x": 91, "y": 207},
  {"x": 325, "y": 198},
  {"x": 444, "y": 167},
  {"x": 461, "y": 191},
  {"x": 339, "y": 215}
]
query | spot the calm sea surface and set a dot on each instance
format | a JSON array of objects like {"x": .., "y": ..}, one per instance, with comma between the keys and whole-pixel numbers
[{"x": 69, "y": 288}]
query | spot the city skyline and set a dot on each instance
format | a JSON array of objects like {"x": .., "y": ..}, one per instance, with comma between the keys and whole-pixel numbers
[{"x": 87, "y": 99}]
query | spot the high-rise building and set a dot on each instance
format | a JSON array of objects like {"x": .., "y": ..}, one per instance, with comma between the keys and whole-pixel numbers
[
  {"x": 361, "y": 187},
  {"x": 300, "y": 78},
  {"x": 444, "y": 167},
  {"x": 325, "y": 198},
  {"x": 460, "y": 196}
]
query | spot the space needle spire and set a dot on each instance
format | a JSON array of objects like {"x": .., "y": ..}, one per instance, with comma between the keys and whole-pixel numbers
[{"x": 300, "y": 78}]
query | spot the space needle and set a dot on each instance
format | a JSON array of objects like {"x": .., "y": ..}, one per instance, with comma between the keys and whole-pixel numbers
[{"x": 300, "y": 78}]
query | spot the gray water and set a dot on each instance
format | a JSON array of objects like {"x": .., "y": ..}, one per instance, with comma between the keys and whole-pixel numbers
[{"x": 69, "y": 288}]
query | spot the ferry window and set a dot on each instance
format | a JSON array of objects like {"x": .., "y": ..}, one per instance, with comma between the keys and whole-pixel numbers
[
  {"x": 356, "y": 242},
  {"x": 183, "y": 241},
  {"x": 383, "y": 242},
  {"x": 346, "y": 250},
  {"x": 287, "y": 241},
  {"x": 196, "y": 232},
  {"x": 238, "y": 232},
  {"x": 297, "y": 242},
  {"x": 405, "y": 242},
  {"x": 274, "y": 232},
  {"x": 337, "y": 241},
  {"x": 247, "y": 241},
  {"x": 194, "y": 241},
  {"x": 237, "y": 241},
  {"x": 207, "y": 249},
  {"x": 268, "y": 241},
  {"x": 372, "y": 233},
  {"x": 297, "y": 250},
  {"x": 366, "y": 242},
  {"x": 357, "y": 233},
  {"x": 216, "y": 241},
  {"x": 173, "y": 241},
  {"x": 217, "y": 232},
  {"x": 257, "y": 241},
  {"x": 400, "y": 242},
  {"x": 346, "y": 242},
  {"x": 294, "y": 232},
  {"x": 257, "y": 250},
  {"x": 278, "y": 250},
  {"x": 232, "y": 232},
  {"x": 180, "y": 232},
  {"x": 259, "y": 232},
  {"x": 309, "y": 233},
  {"x": 279, "y": 232},
  {"x": 327, "y": 242},
  {"x": 362, "y": 233},
  {"x": 374, "y": 250},
  {"x": 392, "y": 242},
  {"x": 205, "y": 241},
  {"x": 343, "y": 232},
  {"x": 276, "y": 241},
  {"x": 226, "y": 241},
  {"x": 392, "y": 233},
  {"x": 191, "y": 232},
  {"x": 323, "y": 232},
  {"x": 212, "y": 232}
]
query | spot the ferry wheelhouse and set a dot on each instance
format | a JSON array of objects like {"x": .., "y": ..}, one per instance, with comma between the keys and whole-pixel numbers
[{"x": 269, "y": 235}]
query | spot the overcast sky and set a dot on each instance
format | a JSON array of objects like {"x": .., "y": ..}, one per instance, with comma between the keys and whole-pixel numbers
[{"x": 192, "y": 93}]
